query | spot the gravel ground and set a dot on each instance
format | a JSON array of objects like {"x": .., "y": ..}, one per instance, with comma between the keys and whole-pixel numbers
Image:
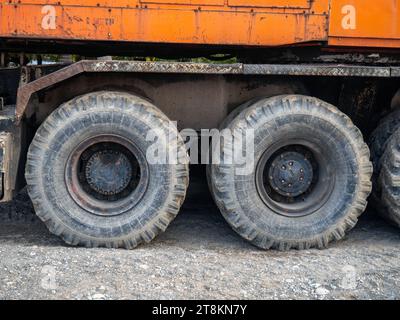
[{"x": 199, "y": 257}]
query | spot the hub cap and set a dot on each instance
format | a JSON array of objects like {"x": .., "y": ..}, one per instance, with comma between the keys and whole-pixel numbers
[
  {"x": 108, "y": 172},
  {"x": 290, "y": 174},
  {"x": 106, "y": 175},
  {"x": 294, "y": 178}
]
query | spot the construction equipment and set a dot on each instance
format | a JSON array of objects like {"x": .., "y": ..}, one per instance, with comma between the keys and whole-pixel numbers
[{"x": 306, "y": 80}]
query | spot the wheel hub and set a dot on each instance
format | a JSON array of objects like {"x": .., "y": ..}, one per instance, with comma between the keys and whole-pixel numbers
[
  {"x": 290, "y": 174},
  {"x": 108, "y": 172}
]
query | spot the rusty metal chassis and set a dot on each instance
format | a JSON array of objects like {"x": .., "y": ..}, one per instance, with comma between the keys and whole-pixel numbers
[
  {"x": 28, "y": 89},
  {"x": 197, "y": 95}
]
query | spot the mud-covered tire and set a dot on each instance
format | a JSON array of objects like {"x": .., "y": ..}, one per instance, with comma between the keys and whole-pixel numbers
[
  {"x": 389, "y": 181},
  {"x": 237, "y": 111},
  {"x": 128, "y": 221},
  {"x": 307, "y": 120},
  {"x": 378, "y": 141},
  {"x": 280, "y": 89},
  {"x": 381, "y": 135}
]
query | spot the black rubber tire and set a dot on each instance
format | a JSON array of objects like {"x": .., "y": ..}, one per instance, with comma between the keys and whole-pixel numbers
[
  {"x": 281, "y": 89},
  {"x": 280, "y": 118},
  {"x": 91, "y": 115},
  {"x": 381, "y": 135},
  {"x": 389, "y": 181},
  {"x": 236, "y": 112},
  {"x": 377, "y": 142}
]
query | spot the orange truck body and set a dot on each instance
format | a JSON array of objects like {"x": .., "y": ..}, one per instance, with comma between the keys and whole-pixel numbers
[{"x": 265, "y": 23}]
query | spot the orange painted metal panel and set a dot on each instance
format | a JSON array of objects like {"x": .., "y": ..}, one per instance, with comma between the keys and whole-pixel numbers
[
  {"x": 364, "y": 42},
  {"x": 367, "y": 23},
  {"x": 162, "y": 24}
]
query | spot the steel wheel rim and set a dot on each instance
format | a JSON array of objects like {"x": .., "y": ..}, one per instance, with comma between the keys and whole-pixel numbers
[
  {"x": 128, "y": 193},
  {"x": 309, "y": 197}
]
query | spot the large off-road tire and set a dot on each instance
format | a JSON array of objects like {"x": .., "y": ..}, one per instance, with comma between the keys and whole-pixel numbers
[
  {"x": 89, "y": 177},
  {"x": 378, "y": 141},
  {"x": 235, "y": 112},
  {"x": 310, "y": 179},
  {"x": 389, "y": 181},
  {"x": 381, "y": 135},
  {"x": 280, "y": 89}
]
